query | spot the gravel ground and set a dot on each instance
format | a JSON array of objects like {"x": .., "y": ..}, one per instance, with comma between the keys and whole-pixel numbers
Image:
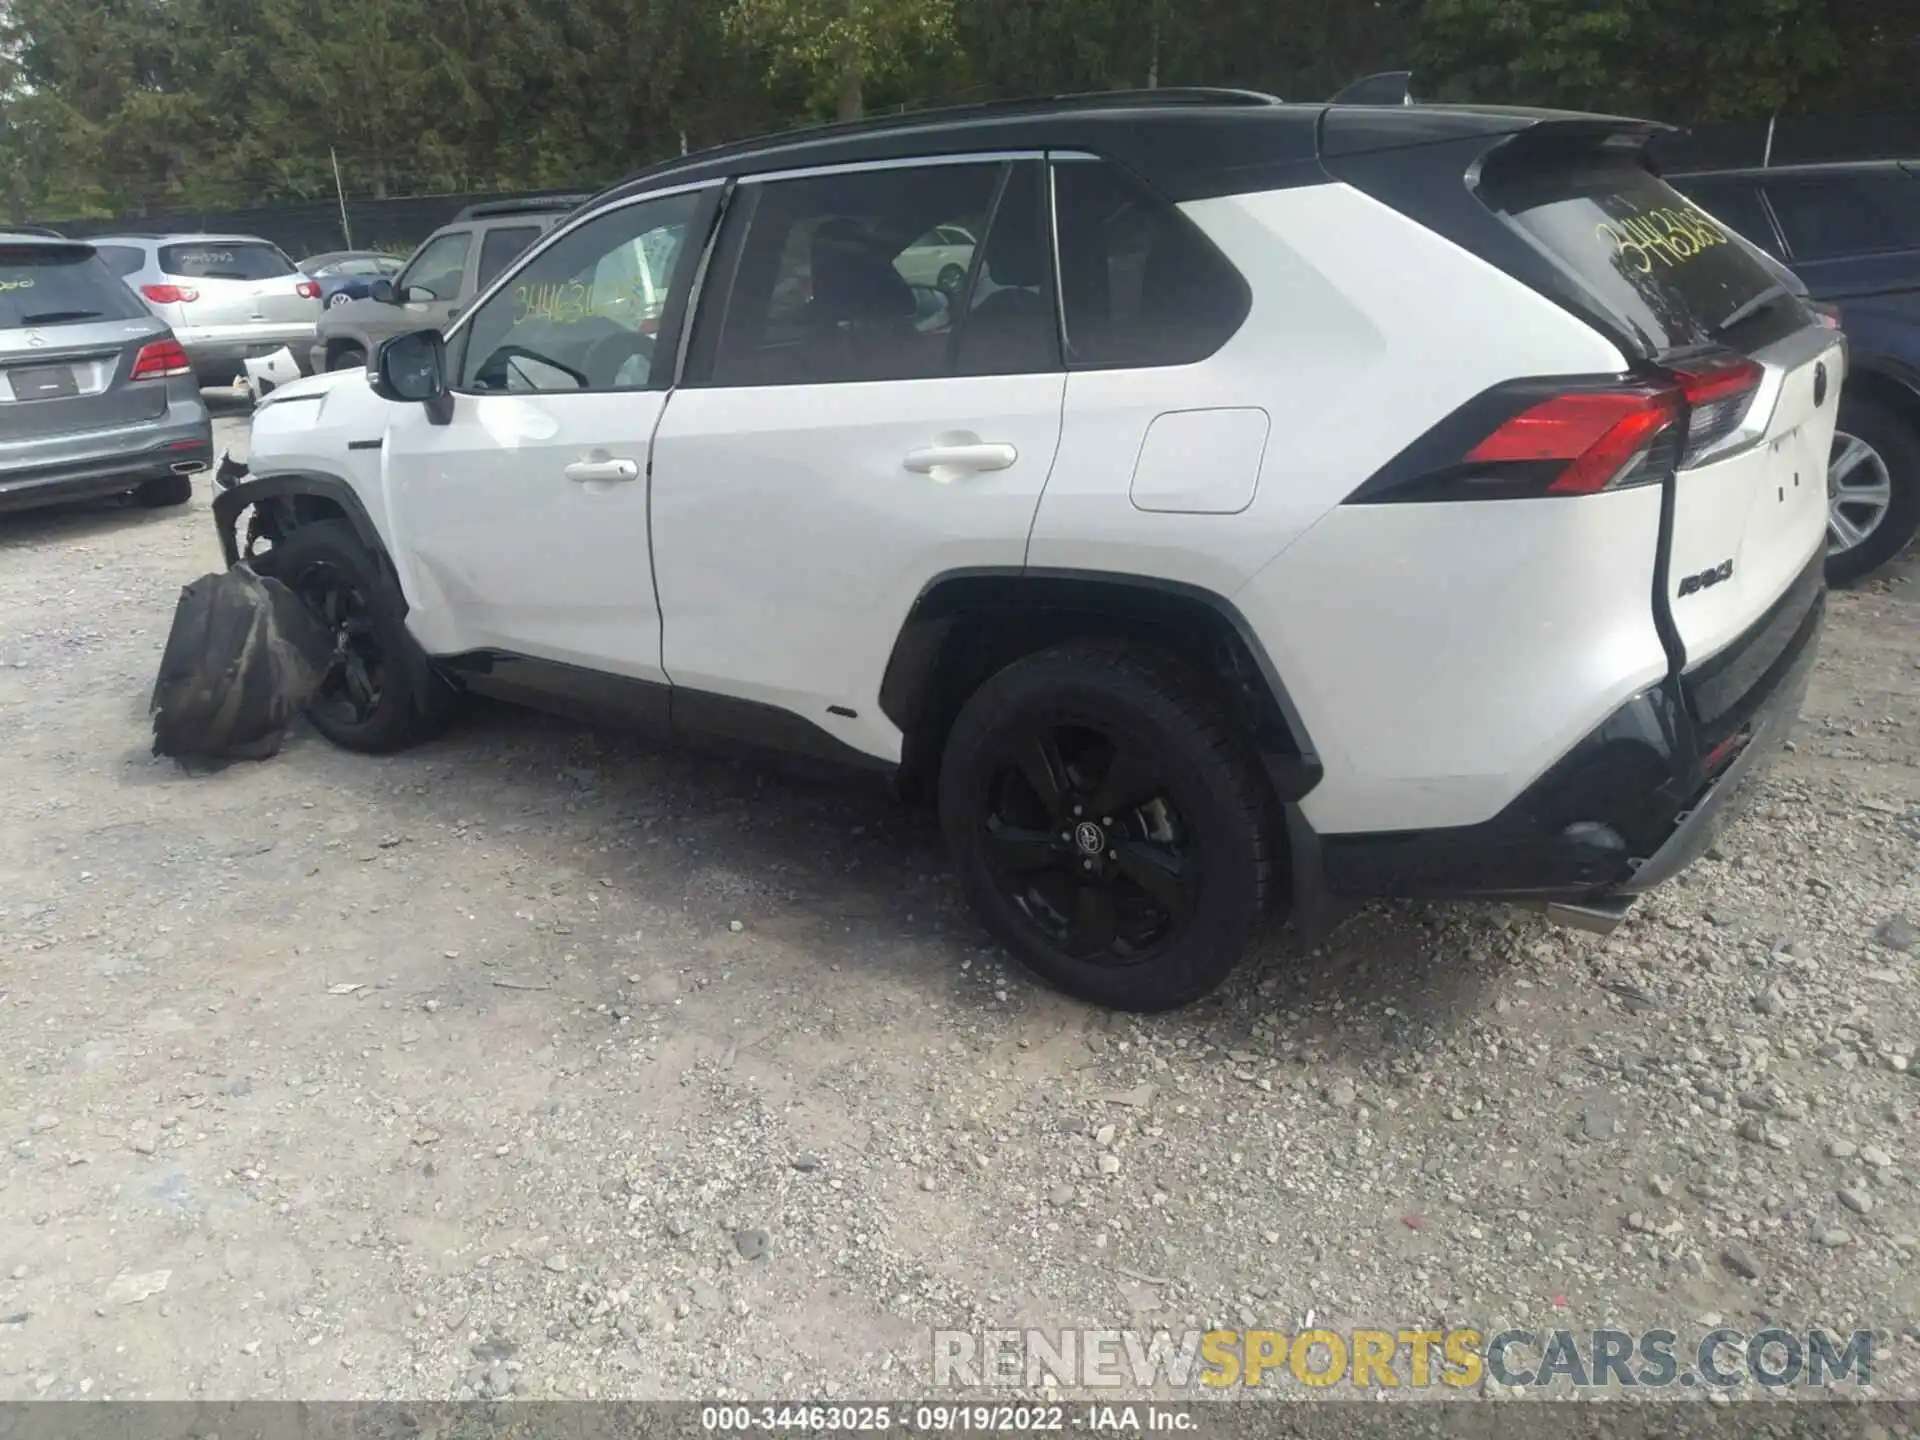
[{"x": 534, "y": 1062}]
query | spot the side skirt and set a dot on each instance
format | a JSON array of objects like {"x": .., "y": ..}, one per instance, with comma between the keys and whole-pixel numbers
[{"x": 661, "y": 712}]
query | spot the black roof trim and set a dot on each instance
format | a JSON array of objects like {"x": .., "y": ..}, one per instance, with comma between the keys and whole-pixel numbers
[
  {"x": 526, "y": 205},
  {"x": 1189, "y": 144}
]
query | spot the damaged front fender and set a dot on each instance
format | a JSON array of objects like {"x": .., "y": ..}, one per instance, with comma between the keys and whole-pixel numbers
[{"x": 276, "y": 505}]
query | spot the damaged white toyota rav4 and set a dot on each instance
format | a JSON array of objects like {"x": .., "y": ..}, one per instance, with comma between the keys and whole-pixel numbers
[{"x": 1221, "y": 505}]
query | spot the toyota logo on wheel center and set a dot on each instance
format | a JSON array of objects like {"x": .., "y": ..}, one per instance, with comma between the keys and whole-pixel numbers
[{"x": 1089, "y": 837}]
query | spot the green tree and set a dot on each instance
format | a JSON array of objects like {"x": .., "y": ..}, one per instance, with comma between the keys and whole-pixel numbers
[
  {"x": 1678, "y": 60},
  {"x": 841, "y": 45}
]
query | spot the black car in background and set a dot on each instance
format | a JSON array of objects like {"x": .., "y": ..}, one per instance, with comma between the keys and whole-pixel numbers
[{"x": 1851, "y": 232}]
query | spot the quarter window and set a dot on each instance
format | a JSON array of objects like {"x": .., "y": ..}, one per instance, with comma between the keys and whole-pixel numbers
[
  {"x": 585, "y": 313},
  {"x": 1140, "y": 284},
  {"x": 875, "y": 275}
]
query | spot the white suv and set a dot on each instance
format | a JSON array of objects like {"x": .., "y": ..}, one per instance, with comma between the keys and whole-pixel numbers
[{"x": 1287, "y": 503}]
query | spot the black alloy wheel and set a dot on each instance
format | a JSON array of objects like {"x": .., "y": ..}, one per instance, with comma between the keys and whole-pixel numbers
[
  {"x": 350, "y": 693},
  {"x": 379, "y": 694},
  {"x": 1110, "y": 822},
  {"x": 1084, "y": 838}
]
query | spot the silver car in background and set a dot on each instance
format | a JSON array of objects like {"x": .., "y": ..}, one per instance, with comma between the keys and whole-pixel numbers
[
  {"x": 96, "y": 395},
  {"x": 227, "y": 297}
]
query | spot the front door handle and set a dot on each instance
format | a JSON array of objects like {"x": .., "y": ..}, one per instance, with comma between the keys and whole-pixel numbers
[
  {"x": 950, "y": 457},
  {"x": 587, "y": 471}
]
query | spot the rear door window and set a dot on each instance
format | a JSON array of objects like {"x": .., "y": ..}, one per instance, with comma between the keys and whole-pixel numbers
[
  {"x": 225, "y": 260},
  {"x": 42, "y": 285},
  {"x": 499, "y": 245},
  {"x": 1661, "y": 266},
  {"x": 832, "y": 285},
  {"x": 1825, "y": 219}
]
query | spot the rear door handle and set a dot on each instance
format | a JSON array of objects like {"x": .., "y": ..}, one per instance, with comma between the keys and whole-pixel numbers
[
  {"x": 587, "y": 471},
  {"x": 949, "y": 461}
]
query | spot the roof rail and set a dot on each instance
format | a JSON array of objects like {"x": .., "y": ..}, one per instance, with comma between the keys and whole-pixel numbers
[
  {"x": 1160, "y": 97},
  {"x": 525, "y": 205}
]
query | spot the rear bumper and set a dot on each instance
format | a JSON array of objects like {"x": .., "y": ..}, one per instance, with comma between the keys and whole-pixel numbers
[
  {"x": 1632, "y": 804},
  {"x": 90, "y": 476},
  {"x": 220, "y": 347}
]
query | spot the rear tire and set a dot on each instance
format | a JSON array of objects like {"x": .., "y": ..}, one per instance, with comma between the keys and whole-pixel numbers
[
  {"x": 1109, "y": 828},
  {"x": 164, "y": 490},
  {"x": 347, "y": 357},
  {"x": 1896, "y": 449},
  {"x": 381, "y": 694}
]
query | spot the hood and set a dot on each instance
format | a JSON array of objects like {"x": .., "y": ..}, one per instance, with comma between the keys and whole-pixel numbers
[{"x": 311, "y": 386}]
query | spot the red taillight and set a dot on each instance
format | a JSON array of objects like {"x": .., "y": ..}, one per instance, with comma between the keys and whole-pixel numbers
[
  {"x": 160, "y": 359},
  {"x": 308, "y": 289},
  {"x": 1719, "y": 393},
  {"x": 1721, "y": 380},
  {"x": 169, "y": 294},
  {"x": 1598, "y": 439}
]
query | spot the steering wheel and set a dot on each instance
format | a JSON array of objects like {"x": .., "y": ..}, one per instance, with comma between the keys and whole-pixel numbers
[{"x": 605, "y": 357}]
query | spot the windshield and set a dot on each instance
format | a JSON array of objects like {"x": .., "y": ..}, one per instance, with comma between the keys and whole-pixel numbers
[
  {"x": 60, "y": 285},
  {"x": 225, "y": 260},
  {"x": 1659, "y": 263}
]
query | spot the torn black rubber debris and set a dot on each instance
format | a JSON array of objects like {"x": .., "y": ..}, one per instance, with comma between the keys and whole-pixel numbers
[{"x": 243, "y": 659}]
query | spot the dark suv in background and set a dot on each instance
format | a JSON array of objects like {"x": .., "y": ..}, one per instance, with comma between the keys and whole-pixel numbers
[{"x": 1851, "y": 232}]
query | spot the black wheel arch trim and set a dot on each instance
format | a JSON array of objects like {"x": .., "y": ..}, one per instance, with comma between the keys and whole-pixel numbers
[
  {"x": 228, "y": 504},
  {"x": 910, "y": 694}
]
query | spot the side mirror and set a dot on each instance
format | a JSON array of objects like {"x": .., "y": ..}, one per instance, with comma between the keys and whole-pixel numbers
[
  {"x": 411, "y": 369},
  {"x": 381, "y": 290}
]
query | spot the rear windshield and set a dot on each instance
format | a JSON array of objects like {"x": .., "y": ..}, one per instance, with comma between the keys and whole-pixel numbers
[
  {"x": 1656, "y": 262},
  {"x": 60, "y": 285},
  {"x": 225, "y": 260}
]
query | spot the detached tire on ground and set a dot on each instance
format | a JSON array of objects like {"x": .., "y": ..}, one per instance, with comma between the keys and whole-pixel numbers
[
  {"x": 1110, "y": 828},
  {"x": 1891, "y": 469},
  {"x": 164, "y": 490},
  {"x": 380, "y": 694}
]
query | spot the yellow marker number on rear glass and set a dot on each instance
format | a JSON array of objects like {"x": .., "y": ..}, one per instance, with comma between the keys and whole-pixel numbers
[{"x": 1668, "y": 237}]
